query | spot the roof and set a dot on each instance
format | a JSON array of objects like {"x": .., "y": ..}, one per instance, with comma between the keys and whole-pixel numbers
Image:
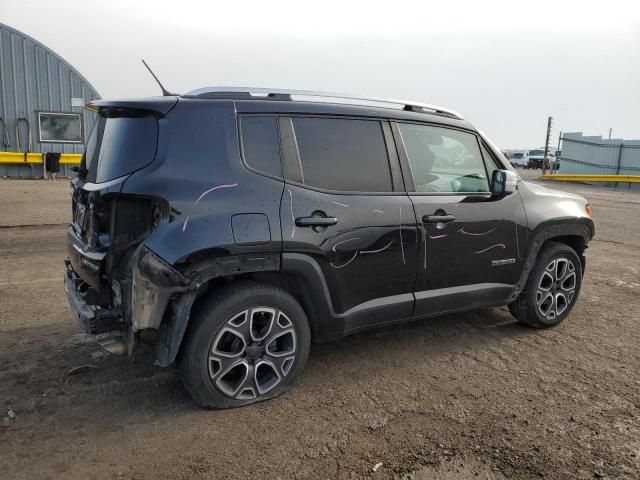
[
  {"x": 260, "y": 93},
  {"x": 243, "y": 104}
]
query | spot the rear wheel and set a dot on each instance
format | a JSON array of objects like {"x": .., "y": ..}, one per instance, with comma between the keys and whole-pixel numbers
[
  {"x": 248, "y": 342},
  {"x": 552, "y": 288}
]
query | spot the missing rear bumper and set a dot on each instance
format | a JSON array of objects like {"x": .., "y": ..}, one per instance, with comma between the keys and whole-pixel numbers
[{"x": 90, "y": 317}]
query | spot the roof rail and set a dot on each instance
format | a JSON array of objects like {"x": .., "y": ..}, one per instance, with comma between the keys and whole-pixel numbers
[{"x": 280, "y": 94}]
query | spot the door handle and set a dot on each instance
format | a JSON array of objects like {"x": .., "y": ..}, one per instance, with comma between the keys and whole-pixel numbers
[
  {"x": 316, "y": 221},
  {"x": 438, "y": 218}
]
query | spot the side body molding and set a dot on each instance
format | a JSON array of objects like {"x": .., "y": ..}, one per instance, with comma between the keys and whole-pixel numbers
[{"x": 326, "y": 324}]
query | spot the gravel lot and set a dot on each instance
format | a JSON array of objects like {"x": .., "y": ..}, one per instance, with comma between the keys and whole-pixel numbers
[{"x": 463, "y": 396}]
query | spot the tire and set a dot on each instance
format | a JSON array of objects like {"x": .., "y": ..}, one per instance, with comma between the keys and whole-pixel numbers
[
  {"x": 247, "y": 342},
  {"x": 558, "y": 267}
]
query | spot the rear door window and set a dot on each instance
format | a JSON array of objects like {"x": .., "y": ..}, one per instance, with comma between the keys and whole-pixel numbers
[
  {"x": 261, "y": 144},
  {"x": 119, "y": 145},
  {"x": 346, "y": 155},
  {"x": 443, "y": 159}
]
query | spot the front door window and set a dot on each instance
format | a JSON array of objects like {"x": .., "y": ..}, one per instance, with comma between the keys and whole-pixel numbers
[{"x": 443, "y": 159}]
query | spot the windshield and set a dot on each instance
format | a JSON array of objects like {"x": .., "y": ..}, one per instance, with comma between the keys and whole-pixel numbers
[
  {"x": 119, "y": 145},
  {"x": 517, "y": 155},
  {"x": 536, "y": 153}
]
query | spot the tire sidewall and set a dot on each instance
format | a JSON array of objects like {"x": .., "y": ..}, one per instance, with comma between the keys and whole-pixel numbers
[
  {"x": 555, "y": 251},
  {"x": 194, "y": 363}
]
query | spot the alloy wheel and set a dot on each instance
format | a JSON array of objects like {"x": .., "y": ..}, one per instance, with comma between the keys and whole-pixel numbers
[
  {"x": 556, "y": 288},
  {"x": 252, "y": 353}
]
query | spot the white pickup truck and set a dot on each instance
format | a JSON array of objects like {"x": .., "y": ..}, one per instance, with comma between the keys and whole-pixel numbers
[{"x": 534, "y": 158}]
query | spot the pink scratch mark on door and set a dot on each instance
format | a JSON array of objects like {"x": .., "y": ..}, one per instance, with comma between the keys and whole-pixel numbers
[
  {"x": 217, "y": 187},
  {"x": 497, "y": 245},
  {"x": 477, "y": 234},
  {"x": 401, "y": 242},
  {"x": 344, "y": 241},
  {"x": 184, "y": 225},
  {"x": 424, "y": 240},
  {"x": 436, "y": 237},
  {"x": 293, "y": 219},
  {"x": 341, "y": 204},
  {"x": 355, "y": 254},
  {"x": 378, "y": 211},
  {"x": 364, "y": 252}
]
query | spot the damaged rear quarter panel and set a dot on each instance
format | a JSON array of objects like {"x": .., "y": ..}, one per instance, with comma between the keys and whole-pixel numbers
[{"x": 198, "y": 171}]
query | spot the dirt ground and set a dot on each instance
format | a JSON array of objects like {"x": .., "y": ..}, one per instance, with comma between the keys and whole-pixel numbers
[{"x": 473, "y": 395}]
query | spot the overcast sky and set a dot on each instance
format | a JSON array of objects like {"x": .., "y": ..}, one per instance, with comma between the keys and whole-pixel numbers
[{"x": 503, "y": 65}]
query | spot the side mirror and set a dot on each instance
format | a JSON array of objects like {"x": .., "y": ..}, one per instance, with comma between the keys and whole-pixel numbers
[{"x": 503, "y": 182}]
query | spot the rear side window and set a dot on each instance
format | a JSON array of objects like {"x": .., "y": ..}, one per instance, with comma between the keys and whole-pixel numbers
[
  {"x": 342, "y": 154},
  {"x": 118, "y": 146},
  {"x": 261, "y": 144}
]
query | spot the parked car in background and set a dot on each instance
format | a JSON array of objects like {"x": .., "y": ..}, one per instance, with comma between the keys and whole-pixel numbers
[
  {"x": 517, "y": 159},
  {"x": 233, "y": 227}
]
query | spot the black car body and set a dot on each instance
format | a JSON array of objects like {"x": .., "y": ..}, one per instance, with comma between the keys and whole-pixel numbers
[{"x": 179, "y": 197}]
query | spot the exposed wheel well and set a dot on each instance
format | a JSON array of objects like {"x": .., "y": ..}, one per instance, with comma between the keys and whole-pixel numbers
[
  {"x": 288, "y": 282},
  {"x": 576, "y": 242}
]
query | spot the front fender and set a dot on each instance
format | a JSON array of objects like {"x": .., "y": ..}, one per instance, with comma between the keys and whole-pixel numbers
[{"x": 582, "y": 227}]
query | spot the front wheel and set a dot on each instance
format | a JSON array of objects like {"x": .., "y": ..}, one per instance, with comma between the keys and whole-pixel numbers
[
  {"x": 248, "y": 342},
  {"x": 552, "y": 288}
]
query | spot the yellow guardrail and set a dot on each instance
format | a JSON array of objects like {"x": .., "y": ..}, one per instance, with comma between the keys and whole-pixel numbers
[
  {"x": 36, "y": 158},
  {"x": 70, "y": 158},
  {"x": 560, "y": 177}
]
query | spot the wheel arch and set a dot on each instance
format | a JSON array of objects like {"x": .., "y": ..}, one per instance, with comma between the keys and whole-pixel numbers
[
  {"x": 575, "y": 232},
  {"x": 576, "y": 242},
  {"x": 297, "y": 274},
  {"x": 204, "y": 275}
]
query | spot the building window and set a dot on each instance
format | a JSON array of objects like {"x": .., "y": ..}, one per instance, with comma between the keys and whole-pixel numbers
[{"x": 54, "y": 127}]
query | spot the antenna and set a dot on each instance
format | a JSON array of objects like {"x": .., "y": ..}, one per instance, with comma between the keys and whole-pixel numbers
[{"x": 165, "y": 92}]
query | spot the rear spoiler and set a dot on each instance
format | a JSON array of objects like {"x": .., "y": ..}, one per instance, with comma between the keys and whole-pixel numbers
[{"x": 155, "y": 105}]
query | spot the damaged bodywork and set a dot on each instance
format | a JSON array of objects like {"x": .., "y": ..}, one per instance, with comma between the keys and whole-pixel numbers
[{"x": 166, "y": 210}]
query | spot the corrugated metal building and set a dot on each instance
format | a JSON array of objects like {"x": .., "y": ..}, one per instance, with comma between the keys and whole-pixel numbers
[
  {"x": 41, "y": 100},
  {"x": 598, "y": 156}
]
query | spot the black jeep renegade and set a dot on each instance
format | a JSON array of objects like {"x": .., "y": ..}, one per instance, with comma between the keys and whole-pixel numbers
[{"x": 233, "y": 227}]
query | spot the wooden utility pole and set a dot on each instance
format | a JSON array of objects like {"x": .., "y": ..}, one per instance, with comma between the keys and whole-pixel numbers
[{"x": 546, "y": 147}]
